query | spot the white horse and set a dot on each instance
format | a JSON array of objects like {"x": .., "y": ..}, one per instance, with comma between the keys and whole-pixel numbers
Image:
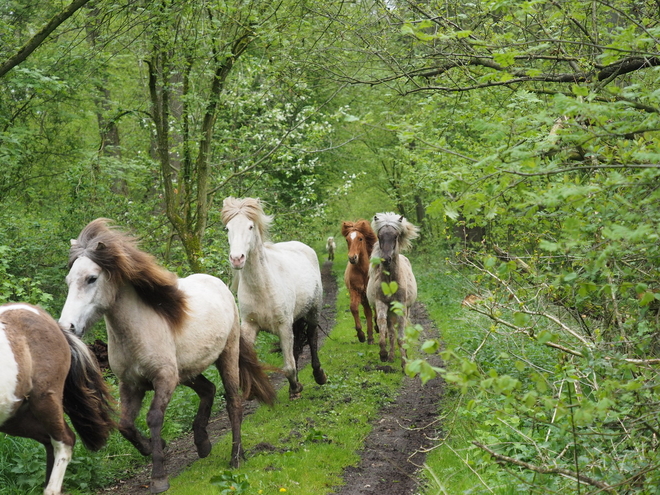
[
  {"x": 330, "y": 247},
  {"x": 279, "y": 286},
  {"x": 162, "y": 331},
  {"x": 394, "y": 233}
]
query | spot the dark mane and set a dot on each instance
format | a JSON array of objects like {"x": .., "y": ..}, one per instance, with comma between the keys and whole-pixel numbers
[
  {"x": 118, "y": 254},
  {"x": 364, "y": 228}
]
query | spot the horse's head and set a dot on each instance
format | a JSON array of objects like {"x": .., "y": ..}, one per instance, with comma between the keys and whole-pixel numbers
[
  {"x": 242, "y": 234},
  {"x": 247, "y": 226},
  {"x": 90, "y": 296},
  {"x": 394, "y": 235},
  {"x": 388, "y": 237},
  {"x": 360, "y": 240}
]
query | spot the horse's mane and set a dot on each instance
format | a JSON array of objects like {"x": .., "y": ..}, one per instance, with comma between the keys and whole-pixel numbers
[
  {"x": 251, "y": 208},
  {"x": 364, "y": 228},
  {"x": 406, "y": 230},
  {"x": 117, "y": 253}
]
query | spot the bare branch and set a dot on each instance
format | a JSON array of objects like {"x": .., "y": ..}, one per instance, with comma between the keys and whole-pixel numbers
[{"x": 34, "y": 42}]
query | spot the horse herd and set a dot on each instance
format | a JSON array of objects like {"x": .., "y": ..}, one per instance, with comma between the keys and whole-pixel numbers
[{"x": 164, "y": 331}]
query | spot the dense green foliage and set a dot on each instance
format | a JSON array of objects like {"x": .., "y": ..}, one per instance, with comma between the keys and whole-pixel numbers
[{"x": 530, "y": 128}]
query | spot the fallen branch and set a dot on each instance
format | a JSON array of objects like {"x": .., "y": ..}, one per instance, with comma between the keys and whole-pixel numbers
[{"x": 545, "y": 470}]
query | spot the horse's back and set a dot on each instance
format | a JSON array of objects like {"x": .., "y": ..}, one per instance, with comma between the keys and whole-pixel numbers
[
  {"x": 212, "y": 319},
  {"x": 294, "y": 259},
  {"x": 295, "y": 268},
  {"x": 34, "y": 353}
]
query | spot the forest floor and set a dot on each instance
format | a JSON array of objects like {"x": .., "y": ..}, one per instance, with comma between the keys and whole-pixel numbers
[{"x": 394, "y": 451}]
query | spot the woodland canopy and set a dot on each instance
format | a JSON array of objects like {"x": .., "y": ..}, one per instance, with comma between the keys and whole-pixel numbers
[{"x": 523, "y": 137}]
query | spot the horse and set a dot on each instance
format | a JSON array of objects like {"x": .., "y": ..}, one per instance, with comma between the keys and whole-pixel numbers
[
  {"x": 394, "y": 234},
  {"x": 162, "y": 331},
  {"x": 330, "y": 247},
  {"x": 278, "y": 286},
  {"x": 46, "y": 371},
  {"x": 360, "y": 239}
]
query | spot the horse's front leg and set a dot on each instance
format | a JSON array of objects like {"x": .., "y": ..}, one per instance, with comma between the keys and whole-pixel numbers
[
  {"x": 381, "y": 322},
  {"x": 131, "y": 401},
  {"x": 392, "y": 334},
  {"x": 356, "y": 298},
  {"x": 163, "y": 388},
  {"x": 369, "y": 317},
  {"x": 401, "y": 323},
  {"x": 205, "y": 389},
  {"x": 228, "y": 367},
  {"x": 290, "y": 369}
]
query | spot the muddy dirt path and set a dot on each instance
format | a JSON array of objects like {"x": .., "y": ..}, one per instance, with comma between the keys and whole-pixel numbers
[{"x": 393, "y": 452}]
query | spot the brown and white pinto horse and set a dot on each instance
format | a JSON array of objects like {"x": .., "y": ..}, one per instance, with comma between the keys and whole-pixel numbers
[
  {"x": 46, "y": 372},
  {"x": 360, "y": 239},
  {"x": 394, "y": 271},
  {"x": 162, "y": 331}
]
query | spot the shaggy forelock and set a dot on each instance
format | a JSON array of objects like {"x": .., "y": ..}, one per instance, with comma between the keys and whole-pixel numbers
[
  {"x": 406, "y": 231},
  {"x": 118, "y": 254},
  {"x": 251, "y": 208}
]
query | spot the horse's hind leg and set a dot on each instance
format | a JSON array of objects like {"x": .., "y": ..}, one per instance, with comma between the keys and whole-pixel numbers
[
  {"x": 205, "y": 389},
  {"x": 44, "y": 422},
  {"x": 312, "y": 339}
]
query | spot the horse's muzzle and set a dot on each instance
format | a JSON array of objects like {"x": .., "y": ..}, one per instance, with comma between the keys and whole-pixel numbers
[
  {"x": 353, "y": 259},
  {"x": 237, "y": 262}
]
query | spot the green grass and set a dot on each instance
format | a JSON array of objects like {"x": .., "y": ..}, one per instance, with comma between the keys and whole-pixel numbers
[
  {"x": 449, "y": 467},
  {"x": 303, "y": 446}
]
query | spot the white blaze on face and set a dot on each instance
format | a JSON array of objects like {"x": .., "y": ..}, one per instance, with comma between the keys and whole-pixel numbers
[{"x": 8, "y": 377}]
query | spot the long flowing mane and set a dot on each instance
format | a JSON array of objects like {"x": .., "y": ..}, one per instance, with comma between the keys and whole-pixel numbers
[
  {"x": 251, "y": 208},
  {"x": 117, "y": 253},
  {"x": 406, "y": 230},
  {"x": 364, "y": 228}
]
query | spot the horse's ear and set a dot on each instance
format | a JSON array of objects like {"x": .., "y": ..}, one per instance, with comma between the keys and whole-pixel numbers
[
  {"x": 375, "y": 218},
  {"x": 74, "y": 242},
  {"x": 401, "y": 219},
  {"x": 100, "y": 246}
]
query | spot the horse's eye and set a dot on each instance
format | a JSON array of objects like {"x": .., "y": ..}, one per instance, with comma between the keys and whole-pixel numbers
[
  {"x": 251, "y": 227},
  {"x": 91, "y": 279}
]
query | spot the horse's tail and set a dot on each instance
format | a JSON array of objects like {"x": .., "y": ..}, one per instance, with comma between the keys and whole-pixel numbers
[
  {"x": 253, "y": 380},
  {"x": 87, "y": 399}
]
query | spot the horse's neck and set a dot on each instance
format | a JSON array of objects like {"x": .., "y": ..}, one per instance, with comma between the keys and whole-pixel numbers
[
  {"x": 128, "y": 313},
  {"x": 364, "y": 261},
  {"x": 256, "y": 273}
]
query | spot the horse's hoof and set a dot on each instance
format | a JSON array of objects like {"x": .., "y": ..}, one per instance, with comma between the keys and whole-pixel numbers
[
  {"x": 319, "y": 376},
  {"x": 370, "y": 341},
  {"x": 383, "y": 357},
  {"x": 360, "y": 335},
  {"x": 295, "y": 393},
  {"x": 204, "y": 449},
  {"x": 159, "y": 485}
]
